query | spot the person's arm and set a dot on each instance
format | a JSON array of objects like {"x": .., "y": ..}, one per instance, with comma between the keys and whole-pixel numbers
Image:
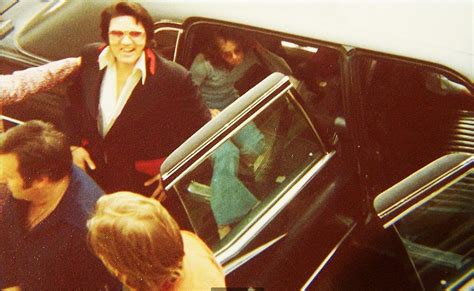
[
  {"x": 15, "y": 288},
  {"x": 199, "y": 73},
  {"x": 274, "y": 62},
  {"x": 192, "y": 112},
  {"x": 21, "y": 84},
  {"x": 198, "y": 70}
]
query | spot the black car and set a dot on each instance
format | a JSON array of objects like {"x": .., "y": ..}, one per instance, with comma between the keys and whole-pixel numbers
[{"x": 335, "y": 210}]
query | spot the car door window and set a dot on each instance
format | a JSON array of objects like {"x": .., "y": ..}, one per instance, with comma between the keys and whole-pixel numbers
[
  {"x": 438, "y": 234},
  {"x": 433, "y": 212},
  {"x": 412, "y": 114},
  {"x": 166, "y": 39},
  {"x": 250, "y": 170}
]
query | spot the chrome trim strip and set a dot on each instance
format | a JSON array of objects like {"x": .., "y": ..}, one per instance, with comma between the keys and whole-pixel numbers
[
  {"x": 233, "y": 265},
  {"x": 423, "y": 189},
  {"x": 9, "y": 119},
  {"x": 419, "y": 203},
  {"x": 326, "y": 260},
  {"x": 257, "y": 224},
  {"x": 464, "y": 281},
  {"x": 308, "y": 120},
  {"x": 223, "y": 139}
]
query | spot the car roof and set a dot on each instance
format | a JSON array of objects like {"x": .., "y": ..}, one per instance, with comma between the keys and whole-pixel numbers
[{"x": 429, "y": 30}]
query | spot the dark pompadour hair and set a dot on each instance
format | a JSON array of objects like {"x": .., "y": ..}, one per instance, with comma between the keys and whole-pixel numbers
[{"x": 127, "y": 9}]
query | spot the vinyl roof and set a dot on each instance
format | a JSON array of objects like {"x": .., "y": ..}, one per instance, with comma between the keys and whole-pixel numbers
[{"x": 434, "y": 31}]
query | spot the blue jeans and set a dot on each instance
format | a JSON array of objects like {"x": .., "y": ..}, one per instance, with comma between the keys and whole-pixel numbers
[{"x": 230, "y": 198}]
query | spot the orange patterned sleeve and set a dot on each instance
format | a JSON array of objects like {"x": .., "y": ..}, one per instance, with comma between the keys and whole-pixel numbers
[{"x": 21, "y": 84}]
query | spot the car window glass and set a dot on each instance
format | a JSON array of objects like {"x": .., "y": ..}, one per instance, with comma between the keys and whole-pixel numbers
[
  {"x": 317, "y": 78},
  {"x": 166, "y": 41},
  {"x": 413, "y": 115},
  {"x": 438, "y": 235},
  {"x": 246, "y": 173}
]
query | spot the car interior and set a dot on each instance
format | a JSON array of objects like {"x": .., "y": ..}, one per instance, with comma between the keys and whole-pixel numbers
[
  {"x": 410, "y": 109},
  {"x": 316, "y": 69},
  {"x": 290, "y": 149}
]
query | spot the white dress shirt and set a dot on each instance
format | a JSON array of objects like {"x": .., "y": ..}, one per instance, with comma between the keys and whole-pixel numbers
[{"x": 111, "y": 102}]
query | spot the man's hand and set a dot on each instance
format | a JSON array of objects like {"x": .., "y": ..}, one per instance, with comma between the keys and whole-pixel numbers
[
  {"x": 214, "y": 112},
  {"x": 14, "y": 288},
  {"x": 81, "y": 158},
  {"x": 258, "y": 47},
  {"x": 159, "y": 193}
]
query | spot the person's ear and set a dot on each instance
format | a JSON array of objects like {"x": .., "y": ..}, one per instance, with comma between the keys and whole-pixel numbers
[{"x": 40, "y": 182}]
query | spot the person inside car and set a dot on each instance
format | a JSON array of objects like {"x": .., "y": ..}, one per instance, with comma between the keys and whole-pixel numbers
[
  {"x": 226, "y": 60},
  {"x": 139, "y": 242},
  {"x": 130, "y": 107},
  {"x": 43, "y": 232}
]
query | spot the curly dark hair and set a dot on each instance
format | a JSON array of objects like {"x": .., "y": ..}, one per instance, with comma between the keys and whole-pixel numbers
[
  {"x": 127, "y": 9},
  {"x": 212, "y": 52}
]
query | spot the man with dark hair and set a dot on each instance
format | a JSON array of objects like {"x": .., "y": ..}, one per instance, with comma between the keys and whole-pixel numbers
[
  {"x": 43, "y": 233},
  {"x": 130, "y": 107}
]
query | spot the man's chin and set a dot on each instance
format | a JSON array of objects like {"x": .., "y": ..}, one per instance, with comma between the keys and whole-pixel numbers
[{"x": 127, "y": 60}]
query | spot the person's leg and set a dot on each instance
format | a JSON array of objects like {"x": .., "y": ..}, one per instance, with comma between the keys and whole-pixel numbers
[
  {"x": 230, "y": 199},
  {"x": 250, "y": 140}
]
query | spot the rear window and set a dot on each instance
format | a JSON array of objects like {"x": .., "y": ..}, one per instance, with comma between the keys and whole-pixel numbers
[{"x": 62, "y": 29}]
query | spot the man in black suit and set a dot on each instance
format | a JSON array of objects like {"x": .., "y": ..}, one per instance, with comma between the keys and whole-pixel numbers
[{"x": 130, "y": 107}]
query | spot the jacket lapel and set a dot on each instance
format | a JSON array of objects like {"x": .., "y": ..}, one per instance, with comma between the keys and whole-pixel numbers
[
  {"x": 131, "y": 110},
  {"x": 93, "y": 80},
  {"x": 138, "y": 100}
]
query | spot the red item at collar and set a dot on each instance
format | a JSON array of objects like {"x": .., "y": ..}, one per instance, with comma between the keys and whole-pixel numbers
[
  {"x": 149, "y": 54},
  {"x": 102, "y": 47}
]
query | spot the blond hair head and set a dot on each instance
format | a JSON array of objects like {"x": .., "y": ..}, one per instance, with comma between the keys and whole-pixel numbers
[{"x": 137, "y": 239}]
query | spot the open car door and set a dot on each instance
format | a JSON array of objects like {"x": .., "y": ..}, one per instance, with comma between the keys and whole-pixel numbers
[
  {"x": 433, "y": 212},
  {"x": 253, "y": 205}
]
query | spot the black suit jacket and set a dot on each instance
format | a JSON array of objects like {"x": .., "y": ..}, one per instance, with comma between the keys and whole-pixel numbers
[{"x": 159, "y": 116}]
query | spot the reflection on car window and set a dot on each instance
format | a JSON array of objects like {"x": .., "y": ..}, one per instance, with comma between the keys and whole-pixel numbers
[
  {"x": 317, "y": 78},
  {"x": 218, "y": 196},
  {"x": 438, "y": 235},
  {"x": 440, "y": 84},
  {"x": 415, "y": 114}
]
